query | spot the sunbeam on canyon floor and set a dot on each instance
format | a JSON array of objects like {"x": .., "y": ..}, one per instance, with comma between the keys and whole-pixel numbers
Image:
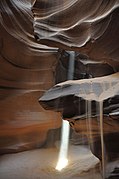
[{"x": 41, "y": 163}]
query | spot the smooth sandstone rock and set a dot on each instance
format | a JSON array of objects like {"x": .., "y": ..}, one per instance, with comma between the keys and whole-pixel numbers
[{"x": 26, "y": 71}]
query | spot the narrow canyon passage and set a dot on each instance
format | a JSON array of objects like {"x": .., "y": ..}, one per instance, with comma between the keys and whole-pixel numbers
[{"x": 59, "y": 62}]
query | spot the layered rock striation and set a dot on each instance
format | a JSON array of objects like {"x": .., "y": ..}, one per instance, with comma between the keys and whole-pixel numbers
[{"x": 26, "y": 72}]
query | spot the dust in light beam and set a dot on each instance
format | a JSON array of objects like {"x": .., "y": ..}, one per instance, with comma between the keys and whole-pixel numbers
[{"x": 63, "y": 153}]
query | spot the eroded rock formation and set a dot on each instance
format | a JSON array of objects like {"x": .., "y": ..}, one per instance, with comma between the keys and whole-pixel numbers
[
  {"x": 88, "y": 27},
  {"x": 92, "y": 29},
  {"x": 82, "y": 102},
  {"x": 26, "y": 71}
]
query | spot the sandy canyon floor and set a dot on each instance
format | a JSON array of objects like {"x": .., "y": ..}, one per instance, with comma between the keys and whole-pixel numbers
[{"x": 40, "y": 164}]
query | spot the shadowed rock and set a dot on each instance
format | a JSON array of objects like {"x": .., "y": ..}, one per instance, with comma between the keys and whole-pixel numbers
[
  {"x": 71, "y": 98},
  {"x": 96, "y": 89}
]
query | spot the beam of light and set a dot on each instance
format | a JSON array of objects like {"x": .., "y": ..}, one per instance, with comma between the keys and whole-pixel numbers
[
  {"x": 62, "y": 163},
  {"x": 63, "y": 154}
]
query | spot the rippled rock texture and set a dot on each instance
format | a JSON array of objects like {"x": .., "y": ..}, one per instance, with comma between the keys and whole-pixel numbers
[
  {"x": 26, "y": 72},
  {"x": 91, "y": 27}
]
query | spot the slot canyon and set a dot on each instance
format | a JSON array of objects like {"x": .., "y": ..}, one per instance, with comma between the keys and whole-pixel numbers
[{"x": 59, "y": 61}]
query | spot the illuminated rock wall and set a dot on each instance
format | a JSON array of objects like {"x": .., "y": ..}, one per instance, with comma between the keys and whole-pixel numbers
[
  {"x": 90, "y": 27},
  {"x": 26, "y": 72}
]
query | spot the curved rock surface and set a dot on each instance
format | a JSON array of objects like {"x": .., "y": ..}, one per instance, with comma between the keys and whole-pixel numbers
[
  {"x": 90, "y": 27},
  {"x": 26, "y": 71}
]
